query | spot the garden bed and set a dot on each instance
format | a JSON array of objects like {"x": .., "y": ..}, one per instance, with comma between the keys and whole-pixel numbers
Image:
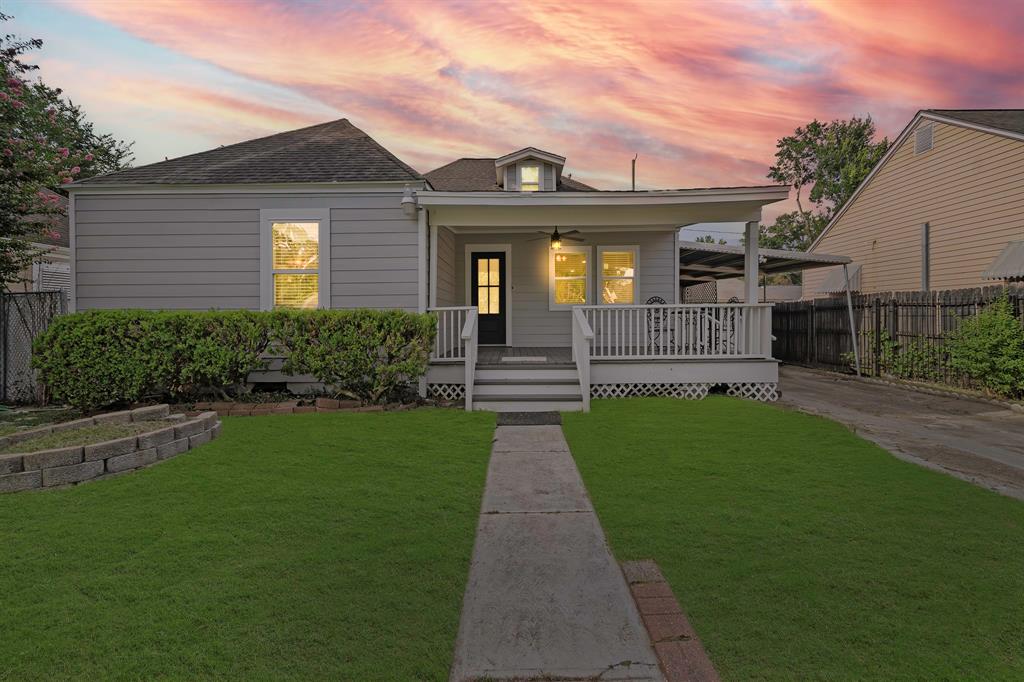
[{"x": 84, "y": 449}]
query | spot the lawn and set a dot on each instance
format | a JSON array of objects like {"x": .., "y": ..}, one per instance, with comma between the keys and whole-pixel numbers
[
  {"x": 296, "y": 546},
  {"x": 801, "y": 551}
]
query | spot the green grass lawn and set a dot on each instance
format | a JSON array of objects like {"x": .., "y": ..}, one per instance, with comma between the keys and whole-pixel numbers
[
  {"x": 306, "y": 546},
  {"x": 801, "y": 551}
]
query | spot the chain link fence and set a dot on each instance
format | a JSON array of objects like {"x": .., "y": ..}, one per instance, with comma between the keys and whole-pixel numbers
[{"x": 23, "y": 316}]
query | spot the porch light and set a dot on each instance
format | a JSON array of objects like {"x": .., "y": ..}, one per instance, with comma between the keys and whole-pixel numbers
[
  {"x": 556, "y": 243},
  {"x": 408, "y": 202}
]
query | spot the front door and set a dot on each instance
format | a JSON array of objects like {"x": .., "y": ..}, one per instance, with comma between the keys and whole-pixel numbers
[{"x": 487, "y": 273}]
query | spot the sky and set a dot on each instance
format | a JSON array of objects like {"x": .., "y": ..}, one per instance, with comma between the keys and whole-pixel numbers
[{"x": 699, "y": 91}]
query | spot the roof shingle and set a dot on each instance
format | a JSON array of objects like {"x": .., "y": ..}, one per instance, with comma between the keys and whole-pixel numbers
[
  {"x": 329, "y": 152},
  {"x": 1010, "y": 120},
  {"x": 477, "y": 175}
]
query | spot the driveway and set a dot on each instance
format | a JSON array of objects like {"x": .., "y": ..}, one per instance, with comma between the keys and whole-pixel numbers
[{"x": 972, "y": 440}]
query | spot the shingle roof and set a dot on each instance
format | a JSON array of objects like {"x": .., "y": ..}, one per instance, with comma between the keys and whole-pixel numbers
[
  {"x": 329, "y": 152},
  {"x": 1011, "y": 120},
  {"x": 477, "y": 175}
]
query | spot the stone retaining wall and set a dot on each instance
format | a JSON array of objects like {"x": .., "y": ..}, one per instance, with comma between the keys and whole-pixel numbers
[{"x": 77, "y": 463}]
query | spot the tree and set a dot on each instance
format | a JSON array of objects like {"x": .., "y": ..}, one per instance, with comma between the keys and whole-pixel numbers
[
  {"x": 45, "y": 141},
  {"x": 708, "y": 239},
  {"x": 828, "y": 161}
]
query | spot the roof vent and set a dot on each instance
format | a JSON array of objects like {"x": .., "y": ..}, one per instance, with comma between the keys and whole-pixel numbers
[{"x": 923, "y": 139}]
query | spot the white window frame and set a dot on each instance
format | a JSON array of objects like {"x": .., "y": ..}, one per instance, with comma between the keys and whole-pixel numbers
[
  {"x": 269, "y": 216},
  {"x": 588, "y": 278},
  {"x": 540, "y": 175},
  {"x": 599, "y": 278}
]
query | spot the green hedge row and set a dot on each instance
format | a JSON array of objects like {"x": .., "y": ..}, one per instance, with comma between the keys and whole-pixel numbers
[{"x": 107, "y": 357}]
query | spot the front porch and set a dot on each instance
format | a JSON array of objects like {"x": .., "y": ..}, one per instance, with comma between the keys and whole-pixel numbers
[{"x": 674, "y": 350}]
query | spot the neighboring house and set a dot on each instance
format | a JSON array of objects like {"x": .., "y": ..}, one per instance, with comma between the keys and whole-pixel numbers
[
  {"x": 943, "y": 209},
  {"x": 51, "y": 270},
  {"x": 537, "y": 279}
]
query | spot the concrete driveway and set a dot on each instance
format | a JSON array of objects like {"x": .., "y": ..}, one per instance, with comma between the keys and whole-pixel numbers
[{"x": 973, "y": 440}]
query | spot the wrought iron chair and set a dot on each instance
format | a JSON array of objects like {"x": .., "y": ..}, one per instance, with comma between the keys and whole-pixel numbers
[{"x": 659, "y": 327}]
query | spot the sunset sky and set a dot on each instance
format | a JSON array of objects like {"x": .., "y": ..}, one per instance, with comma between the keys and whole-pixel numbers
[{"x": 701, "y": 91}]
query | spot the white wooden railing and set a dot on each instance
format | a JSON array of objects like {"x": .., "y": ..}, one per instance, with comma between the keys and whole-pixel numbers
[
  {"x": 449, "y": 345},
  {"x": 582, "y": 337},
  {"x": 469, "y": 343},
  {"x": 701, "y": 331}
]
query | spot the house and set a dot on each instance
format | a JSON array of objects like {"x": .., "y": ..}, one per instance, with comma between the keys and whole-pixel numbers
[
  {"x": 546, "y": 291},
  {"x": 943, "y": 209},
  {"x": 51, "y": 270}
]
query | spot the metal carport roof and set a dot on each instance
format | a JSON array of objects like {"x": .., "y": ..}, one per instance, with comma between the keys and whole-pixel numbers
[{"x": 703, "y": 262}]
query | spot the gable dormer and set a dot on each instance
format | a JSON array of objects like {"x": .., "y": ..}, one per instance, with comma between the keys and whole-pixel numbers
[{"x": 529, "y": 170}]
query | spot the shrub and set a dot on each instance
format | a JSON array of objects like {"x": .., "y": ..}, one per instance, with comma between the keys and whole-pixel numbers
[
  {"x": 364, "y": 354},
  {"x": 989, "y": 348},
  {"x": 106, "y": 357}
]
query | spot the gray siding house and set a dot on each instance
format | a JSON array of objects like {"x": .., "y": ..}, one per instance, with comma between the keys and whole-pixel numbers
[{"x": 547, "y": 291}]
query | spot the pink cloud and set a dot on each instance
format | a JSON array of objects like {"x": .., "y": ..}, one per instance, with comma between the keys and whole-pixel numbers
[{"x": 700, "y": 90}]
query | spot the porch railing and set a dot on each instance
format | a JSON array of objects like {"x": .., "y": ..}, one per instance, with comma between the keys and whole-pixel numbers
[
  {"x": 449, "y": 344},
  {"x": 705, "y": 331},
  {"x": 582, "y": 337},
  {"x": 469, "y": 342}
]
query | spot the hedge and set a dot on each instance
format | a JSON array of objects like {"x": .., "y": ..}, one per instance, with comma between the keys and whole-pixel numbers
[{"x": 106, "y": 357}]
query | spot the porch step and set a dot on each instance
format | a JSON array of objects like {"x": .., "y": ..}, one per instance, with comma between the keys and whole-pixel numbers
[
  {"x": 544, "y": 373},
  {"x": 512, "y": 387},
  {"x": 526, "y": 366},
  {"x": 544, "y": 402}
]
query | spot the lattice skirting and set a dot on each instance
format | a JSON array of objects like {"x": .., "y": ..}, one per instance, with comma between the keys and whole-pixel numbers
[
  {"x": 766, "y": 392},
  {"x": 447, "y": 391},
  {"x": 686, "y": 391}
]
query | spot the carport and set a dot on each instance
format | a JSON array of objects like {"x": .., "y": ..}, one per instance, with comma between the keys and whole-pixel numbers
[{"x": 705, "y": 262}]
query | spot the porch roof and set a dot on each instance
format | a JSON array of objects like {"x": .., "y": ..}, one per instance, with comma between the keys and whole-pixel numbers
[
  {"x": 665, "y": 208},
  {"x": 701, "y": 262}
]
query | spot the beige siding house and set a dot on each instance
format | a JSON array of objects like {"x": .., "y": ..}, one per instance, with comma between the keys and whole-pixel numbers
[
  {"x": 546, "y": 291},
  {"x": 937, "y": 211}
]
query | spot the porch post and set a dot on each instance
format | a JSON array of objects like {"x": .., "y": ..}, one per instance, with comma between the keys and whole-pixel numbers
[
  {"x": 432, "y": 264},
  {"x": 750, "y": 263},
  {"x": 421, "y": 287}
]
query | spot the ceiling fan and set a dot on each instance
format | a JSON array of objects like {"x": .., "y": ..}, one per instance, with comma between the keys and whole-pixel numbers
[{"x": 556, "y": 238}]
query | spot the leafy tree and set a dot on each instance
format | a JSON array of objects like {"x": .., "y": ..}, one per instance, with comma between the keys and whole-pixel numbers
[
  {"x": 45, "y": 141},
  {"x": 827, "y": 161}
]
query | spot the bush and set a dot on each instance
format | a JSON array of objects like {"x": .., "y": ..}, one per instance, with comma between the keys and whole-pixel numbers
[
  {"x": 106, "y": 357},
  {"x": 989, "y": 348},
  {"x": 364, "y": 354}
]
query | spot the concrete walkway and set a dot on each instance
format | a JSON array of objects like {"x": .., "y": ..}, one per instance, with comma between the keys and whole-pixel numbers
[
  {"x": 970, "y": 439},
  {"x": 545, "y": 598}
]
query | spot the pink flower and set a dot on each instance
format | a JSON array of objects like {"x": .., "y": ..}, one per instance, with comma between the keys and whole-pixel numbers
[
  {"x": 65, "y": 181},
  {"x": 18, "y": 104},
  {"x": 4, "y": 96},
  {"x": 8, "y": 152},
  {"x": 76, "y": 170},
  {"x": 45, "y": 196},
  {"x": 63, "y": 152},
  {"x": 52, "y": 234},
  {"x": 14, "y": 82},
  {"x": 88, "y": 157}
]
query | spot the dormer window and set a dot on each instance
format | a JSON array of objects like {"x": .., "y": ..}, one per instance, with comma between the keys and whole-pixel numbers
[{"x": 529, "y": 178}]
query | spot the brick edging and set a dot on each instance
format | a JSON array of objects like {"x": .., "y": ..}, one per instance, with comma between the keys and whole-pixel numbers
[
  {"x": 78, "y": 463},
  {"x": 679, "y": 649},
  {"x": 229, "y": 409}
]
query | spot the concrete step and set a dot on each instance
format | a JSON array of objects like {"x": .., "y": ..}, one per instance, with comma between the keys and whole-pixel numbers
[{"x": 541, "y": 387}]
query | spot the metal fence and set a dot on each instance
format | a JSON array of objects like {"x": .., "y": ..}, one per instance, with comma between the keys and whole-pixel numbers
[
  {"x": 900, "y": 334},
  {"x": 22, "y": 317}
]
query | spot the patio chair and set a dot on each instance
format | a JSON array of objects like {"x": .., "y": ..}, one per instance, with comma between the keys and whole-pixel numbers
[{"x": 659, "y": 329}]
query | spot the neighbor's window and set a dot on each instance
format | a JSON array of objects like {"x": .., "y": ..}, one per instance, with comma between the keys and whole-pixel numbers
[
  {"x": 618, "y": 275},
  {"x": 295, "y": 264},
  {"x": 569, "y": 276},
  {"x": 529, "y": 178}
]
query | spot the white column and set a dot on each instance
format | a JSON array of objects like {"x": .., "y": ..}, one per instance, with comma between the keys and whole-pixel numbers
[
  {"x": 750, "y": 263},
  {"x": 432, "y": 263},
  {"x": 422, "y": 261}
]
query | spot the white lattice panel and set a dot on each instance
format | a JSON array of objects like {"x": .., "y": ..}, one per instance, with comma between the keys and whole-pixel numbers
[
  {"x": 766, "y": 392},
  {"x": 447, "y": 391},
  {"x": 685, "y": 391}
]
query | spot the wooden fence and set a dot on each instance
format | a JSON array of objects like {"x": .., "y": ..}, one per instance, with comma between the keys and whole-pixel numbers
[{"x": 900, "y": 334}]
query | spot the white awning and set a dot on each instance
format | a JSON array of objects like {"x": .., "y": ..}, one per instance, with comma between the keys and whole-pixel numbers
[
  {"x": 1008, "y": 265},
  {"x": 835, "y": 282}
]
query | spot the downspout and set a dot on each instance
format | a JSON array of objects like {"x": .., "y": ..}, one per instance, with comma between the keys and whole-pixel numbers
[{"x": 849, "y": 310}]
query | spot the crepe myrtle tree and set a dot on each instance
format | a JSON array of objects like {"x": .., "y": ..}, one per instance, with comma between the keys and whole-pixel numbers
[{"x": 45, "y": 141}]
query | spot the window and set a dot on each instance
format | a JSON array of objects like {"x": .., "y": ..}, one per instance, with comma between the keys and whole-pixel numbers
[
  {"x": 569, "y": 277},
  {"x": 618, "y": 274},
  {"x": 294, "y": 258},
  {"x": 529, "y": 178},
  {"x": 488, "y": 286}
]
